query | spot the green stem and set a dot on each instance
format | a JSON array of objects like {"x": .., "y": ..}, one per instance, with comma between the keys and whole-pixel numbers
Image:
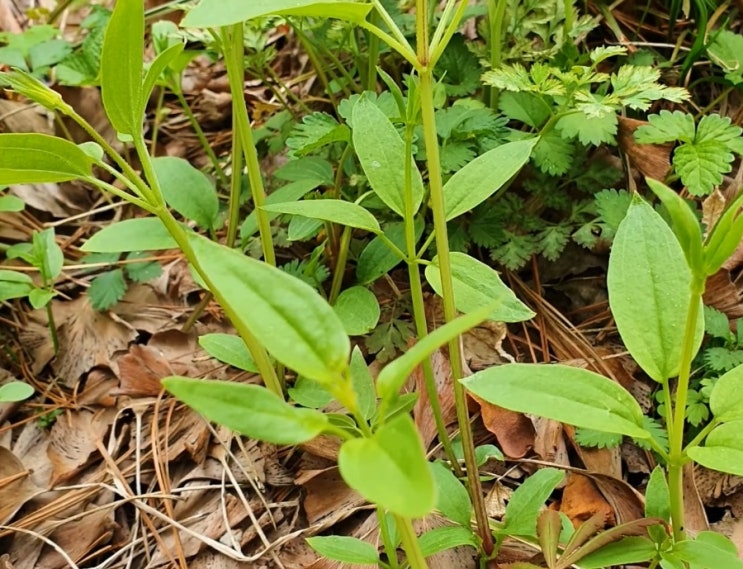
[
  {"x": 340, "y": 265},
  {"x": 496, "y": 18},
  {"x": 569, "y": 19},
  {"x": 416, "y": 295},
  {"x": 442, "y": 248},
  {"x": 202, "y": 137},
  {"x": 372, "y": 55},
  {"x": 677, "y": 457},
  {"x": 156, "y": 120},
  {"x": 702, "y": 434},
  {"x": 233, "y": 49},
  {"x": 410, "y": 543},
  {"x": 236, "y": 160},
  {"x": 402, "y": 48},
  {"x": 389, "y": 545},
  {"x": 439, "y": 42}
]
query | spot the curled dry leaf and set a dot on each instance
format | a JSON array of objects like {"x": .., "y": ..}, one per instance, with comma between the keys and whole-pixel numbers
[
  {"x": 581, "y": 500},
  {"x": 651, "y": 160},
  {"x": 422, "y": 412},
  {"x": 16, "y": 488},
  {"x": 514, "y": 431},
  {"x": 140, "y": 372}
]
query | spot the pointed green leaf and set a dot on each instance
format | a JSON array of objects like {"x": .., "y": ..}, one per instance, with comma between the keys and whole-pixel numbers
[
  {"x": 15, "y": 391},
  {"x": 657, "y": 497},
  {"x": 139, "y": 234},
  {"x": 626, "y": 551},
  {"x": 122, "y": 65},
  {"x": 476, "y": 285},
  {"x": 685, "y": 224},
  {"x": 453, "y": 499},
  {"x": 215, "y": 13},
  {"x": 358, "y": 309},
  {"x": 14, "y": 284},
  {"x": 229, "y": 349},
  {"x": 567, "y": 394},
  {"x": 287, "y": 316},
  {"x": 38, "y": 158},
  {"x": 723, "y": 449},
  {"x": 395, "y": 374},
  {"x": 523, "y": 508},
  {"x": 377, "y": 258},
  {"x": 484, "y": 176},
  {"x": 446, "y": 537},
  {"x": 706, "y": 553},
  {"x": 335, "y": 211},
  {"x": 363, "y": 384},
  {"x": 187, "y": 190},
  {"x": 649, "y": 288},
  {"x": 251, "y": 410},
  {"x": 345, "y": 549},
  {"x": 33, "y": 89},
  {"x": 290, "y": 192},
  {"x": 390, "y": 469},
  {"x": 160, "y": 64},
  {"x": 381, "y": 151},
  {"x": 726, "y": 399}
]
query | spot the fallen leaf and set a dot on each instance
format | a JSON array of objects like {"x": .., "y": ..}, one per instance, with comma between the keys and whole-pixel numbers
[
  {"x": 514, "y": 431},
  {"x": 581, "y": 500},
  {"x": 16, "y": 488}
]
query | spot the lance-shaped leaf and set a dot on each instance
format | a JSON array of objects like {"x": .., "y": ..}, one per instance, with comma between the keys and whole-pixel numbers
[
  {"x": 33, "y": 89},
  {"x": 484, "y": 176},
  {"x": 216, "y": 13},
  {"x": 381, "y": 151},
  {"x": 37, "y": 158},
  {"x": 649, "y": 291},
  {"x": 567, "y": 394},
  {"x": 292, "y": 321},
  {"x": 251, "y": 410},
  {"x": 723, "y": 449},
  {"x": 390, "y": 469},
  {"x": 122, "y": 66},
  {"x": 139, "y": 234},
  {"x": 335, "y": 211}
]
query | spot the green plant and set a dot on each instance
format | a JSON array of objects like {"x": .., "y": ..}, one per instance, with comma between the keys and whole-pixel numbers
[
  {"x": 653, "y": 270},
  {"x": 15, "y": 391}
]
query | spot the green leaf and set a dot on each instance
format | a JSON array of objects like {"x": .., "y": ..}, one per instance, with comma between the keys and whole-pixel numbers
[
  {"x": 229, "y": 349},
  {"x": 726, "y": 50},
  {"x": 722, "y": 450},
  {"x": 657, "y": 496},
  {"x": 187, "y": 190},
  {"x": 524, "y": 107},
  {"x": 377, "y": 258},
  {"x": 309, "y": 393},
  {"x": 122, "y": 67},
  {"x": 215, "y": 13},
  {"x": 15, "y": 391},
  {"x": 363, "y": 384},
  {"x": 251, "y": 410},
  {"x": 627, "y": 551},
  {"x": 390, "y": 469},
  {"x": 567, "y": 394},
  {"x": 684, "y": 223},
  {"x": 33, "y": 89},
  {"x": 716, "y": 324},
  {"x": 381, "y": 152},
  {"x": 38, "y": 158},
  {"x": 358, "y": 310},
  {"x": 446, "y": 537},
  {"x": 523, "y": 508},
  {"x": 11, "y": 204},
  {"x": 553, "y": 154},
  {"x": 48, "y": 253},
  {"x": 395, "y": 374},
  {"x": 143, "y": 271},
  {"x": 589, "y": 129},
  {"x": 14, "y": 284},
  {"x": 453, "y": 499},
  {"x": 160, "y": 64},
  {"x": 107, "y": 289},
  {"x": 139, "y": 234},
  {"x": 315, "y": 131},
  {"x": 648, "y": 282},
  {"x": 665, "y": 127},
  {"x": 345, "y": 549},
  {"x": 701, "y": 165},
  {"x": 289, "y": 193},
  {"x": 286, "y": 315},
  {"x": 335, "y": 211},
  {"x": 701, "y": 553},
  {"x": 612, "y": 206},
  {"x": 726, "y": 399},
  {"x": 477, "y": 285},
  {"x": 40, "y": 297},
  {"x": 484, "y": 176}
]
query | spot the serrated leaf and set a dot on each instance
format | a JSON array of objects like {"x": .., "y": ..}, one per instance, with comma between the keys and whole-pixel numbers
[
  {"x": 459, "y": 68},
  {"x": 666, "y": 127},
  {"x": 107, "y": 289},
  {"x": 553, "y": 154},
  {"x": 144, "y": 271},
  {"x": 527, "y": 108},
  {"x": 587, "y": 129},
  {"x": 716, "y": 323},
  {"x": 455, "y": 155},
  {"x": 216, "y": 13},
  {"x": 726, "y": 50},
  {"x": 251, "y": 410},
  {"x": 552, "y": 241},
  {"x": 315, "y": 131},
  {"x": 701, "y": 165},
  {"x": 612, "y": 206}
]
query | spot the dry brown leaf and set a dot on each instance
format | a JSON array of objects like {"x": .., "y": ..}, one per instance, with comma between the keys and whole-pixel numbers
[
  {"x": 328, "y": 499},
  {"x": 141, "y": 370},
  {"x": 16, "y": 488},
  {"x": 651, "y": 160},
  {"x": 73, "y": 441},
  {"x": 78, "y": 539},
  {"x": 422, "y": 411},
  {"x": 549, "y": 442},
  {"x": 712, "y": 208},
  {"x": 581, "y": 500},
  {"x": 626, "y": 502},
  {"x": 514, "y": 431}
]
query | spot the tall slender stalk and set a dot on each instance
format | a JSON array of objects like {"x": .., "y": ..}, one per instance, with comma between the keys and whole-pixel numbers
[
  {"x": 676, "y": 453},
  {"x": 232, "y": 44},
  {"x": 442, "y": 248}
]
